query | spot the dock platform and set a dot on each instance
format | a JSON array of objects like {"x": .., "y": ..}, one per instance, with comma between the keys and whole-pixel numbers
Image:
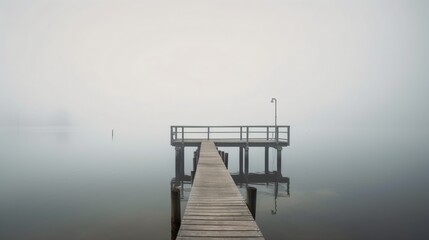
[{"x": 216, "y": 208}]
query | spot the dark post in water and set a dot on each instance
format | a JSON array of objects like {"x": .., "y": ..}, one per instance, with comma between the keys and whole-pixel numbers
[
  {"x": 192, "y": 176},
  {"x": 175, "y": 212},
  {"x": 246, "y": 162},
  {"x": 251, "y": 200},
  {"x": 241, "y": 162},
  {"x": 279, "y": 160}
]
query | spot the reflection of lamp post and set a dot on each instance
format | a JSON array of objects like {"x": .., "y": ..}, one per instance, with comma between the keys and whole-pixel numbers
[{"x": 274, "y": 100}]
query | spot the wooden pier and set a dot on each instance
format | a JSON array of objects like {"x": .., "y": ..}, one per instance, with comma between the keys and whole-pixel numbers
[
  {"x": 216, "y": 209},
  {"x": 243, "y": 137}
]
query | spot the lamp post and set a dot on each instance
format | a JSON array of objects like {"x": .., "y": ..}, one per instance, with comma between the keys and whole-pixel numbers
[{"x": 274, "y": 100}]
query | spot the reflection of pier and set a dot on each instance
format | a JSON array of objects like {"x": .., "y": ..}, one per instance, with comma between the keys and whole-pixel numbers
[{"x": 252, "y": 178}]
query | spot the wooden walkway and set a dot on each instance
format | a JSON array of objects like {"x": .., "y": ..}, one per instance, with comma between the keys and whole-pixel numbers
[{"x": 216, "y": 209}]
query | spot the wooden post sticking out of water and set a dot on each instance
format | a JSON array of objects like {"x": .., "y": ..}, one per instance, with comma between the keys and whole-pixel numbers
[
  {"x": 266, "y": 160},
  {"x": 178, "y": 165},
  {"x": 195, "y": 160},
  {"x": 251, "y": 200},
  {"x": 226, "y": 160},
  {"x": 246, "y": 162},
  {"x": 192, "y": 176},
  {"x": 182, "y": 162},
  {"x": 279, "y": 160},
  {"x": 241, "y": 162},
  {"x": 175, "y": 212}
]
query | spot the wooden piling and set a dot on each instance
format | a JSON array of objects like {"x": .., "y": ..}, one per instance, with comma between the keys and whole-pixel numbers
[
  {"x": 226, "y": 160},
  {"x": 175, "y": 212},
  {"x": 241, "y": 162},
  {"x": 246, "y": 161},
  {"x": 182, "y": 162},
  {"x": 251, "y": 200},
  {"x": 178, "y": 166},
  {"x": 192, "y": 176},
  {"x": 266, "y": 160},
  {"x": 195, "y": 161},
  {"x": 279, "y": 160}
]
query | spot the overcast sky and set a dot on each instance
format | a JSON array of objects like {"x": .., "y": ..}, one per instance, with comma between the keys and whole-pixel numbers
[{"x": 329, "y": 63}]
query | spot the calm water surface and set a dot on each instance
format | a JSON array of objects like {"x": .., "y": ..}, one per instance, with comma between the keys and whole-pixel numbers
[{"x": 71, "y": 183}]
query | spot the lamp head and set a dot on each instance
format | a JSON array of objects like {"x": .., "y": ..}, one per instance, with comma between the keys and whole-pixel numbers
[{"x": 273, "y": 99}]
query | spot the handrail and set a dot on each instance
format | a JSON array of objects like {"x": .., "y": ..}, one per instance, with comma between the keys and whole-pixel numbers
[{"x": 280, "y": 132}]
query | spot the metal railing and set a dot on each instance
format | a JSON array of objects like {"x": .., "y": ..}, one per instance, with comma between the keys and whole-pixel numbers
[{"x": 243, "y": 133}]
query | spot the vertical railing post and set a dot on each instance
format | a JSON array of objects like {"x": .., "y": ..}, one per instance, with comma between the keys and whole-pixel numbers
[
  {"x": 183, "y": 136},
  {"x": 277, "y": 134},
  {"x": 247, "y": 135},
  {"x": 288, "y": 135},
  {"x": 268, "y": 133},
  {"x": 241, "y": 133},
  {"x": 208, "y": 133}
]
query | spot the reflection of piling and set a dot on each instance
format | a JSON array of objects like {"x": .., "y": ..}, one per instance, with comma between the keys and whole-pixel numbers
[
  {"x": 287, "y": 189},
  {"x": 251, "y": 200},
  {"x": 226, "y": 160},
  {"x": 276, "y": 184},
  {"x": 175, "y": 212}
]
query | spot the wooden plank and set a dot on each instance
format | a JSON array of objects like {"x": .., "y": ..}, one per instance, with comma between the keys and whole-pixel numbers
[
  {"x": 196, "y": 211},
  {"x": 219, "y": 227},
  {"x": 218, "y": 223},
  {"x": 192, "y": 233},
  {"x": 218, "y": 218},
  {"x": 210, "y": 238},
  {"x": 216, "y": 213},
  {"x": 216, "y": 209}
]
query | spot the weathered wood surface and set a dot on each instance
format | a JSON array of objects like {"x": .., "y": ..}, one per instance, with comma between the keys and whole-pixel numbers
[
  {"x": 216, "y": 209},
  {"x": 232, "y": 142}
]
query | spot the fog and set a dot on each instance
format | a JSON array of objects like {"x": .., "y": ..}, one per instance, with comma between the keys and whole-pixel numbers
[
  {"x": 350, "y": 77},
  {"x": 133, "y": 63}
]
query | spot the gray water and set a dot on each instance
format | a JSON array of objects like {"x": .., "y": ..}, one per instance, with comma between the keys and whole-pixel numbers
[{"x": 76, "y": 183}]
